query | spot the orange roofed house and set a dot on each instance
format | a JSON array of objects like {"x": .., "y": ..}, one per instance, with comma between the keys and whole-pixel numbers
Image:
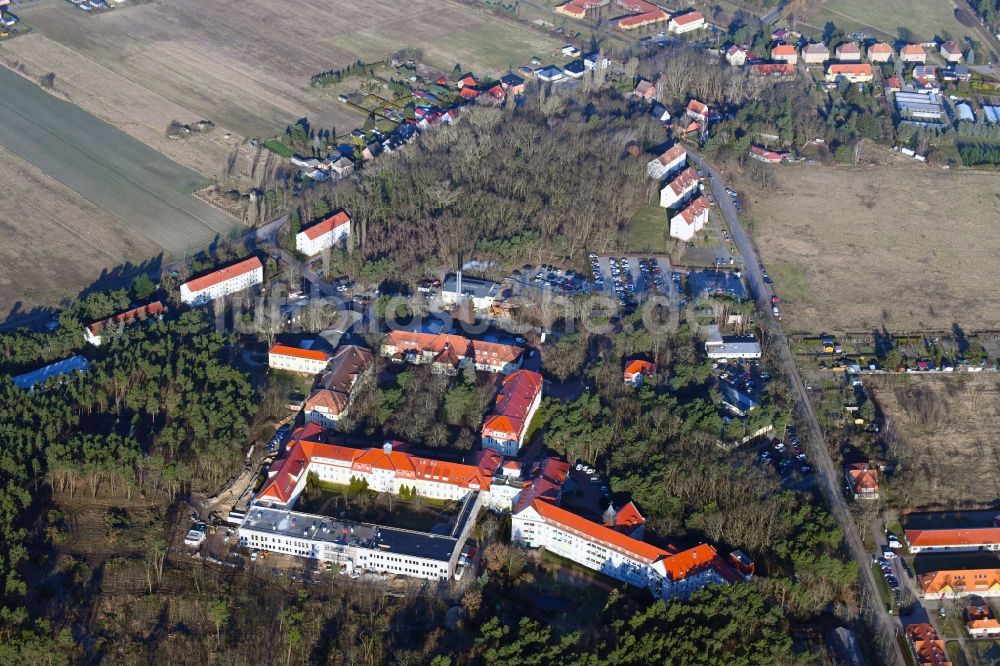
[
  {"x": 679, "y": 188},
  {"x": 952, "y": 583},
  {"x": 331, "y": 399},
  {"x": 927, "y": 647},
  {"x": 785, "y": 53},
  {"x": 689, "y": 221},
  {"x": 324, "y": 234},
  {"x": 862, "y": 481},
  {"x": 229, "y": 280},
  {"x": 636, "y": 371},
  {"x": 93, "y": 333},
  {"x": 516, "y": 404},
  {"x": 448, "y": 353},
  {"x": 853, "y": 72},
  {"x": 960, "y": 539},
  {"x": 913, "y": 53},
  {"x": 880, "y": 52},
  {"x": 297, "y": 359},
  {"x": 981, "y": 623},
  {"x": 686, "y": 22},
  {"x": 673, "y": 159}
]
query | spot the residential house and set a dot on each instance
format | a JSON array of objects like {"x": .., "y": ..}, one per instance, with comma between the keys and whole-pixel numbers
[
  {"x": 644, "y": 90},
  {"x": 506, "y": 426},
  {"x": 670, "y": 161},
  {"x": 927, "y": 648},
  {"x": 679, "y": 188},
  {"x": 951, "y": 52},
  {"x": 785, "y": 53},
  {"x": 549, "y": 74},
  {"x": 880, "y": 52},
  {"x": 590, "y": 61},
  {"x": 981, "y": 623},
  {"x": 698, "y": 111},
  {"x": 467, "y": 80},
  {"x": 570, "y": 51},
  {"x": 737, "y": 56},
  {"x": 954, "y": 583},
  {"x": 324, "y": 234},
  {"x": 847, "y": 52},
  {"x": 371, "y": 151},
  {"x": 574, "y": 69},
  {"x": 297, "y": 359},
  {"x": 578, "y": 8},
  {"x": 778, "y": 70},
  {"x": 331, "y": 399},
  {"x": 782, "y": 34},
  {"x": 457, "y": 288},
  {"x": 637, "y": 370},
  {"x": 660, "y": 112},
  {"x": 686, "y": 22},
  {"x": 512, "y": 84},
  {"x": 688, "y": 222},
  {"x": 855, "y": 73},
  {"x": 862, "y": 480},
  {"x": 342, "y": 166},
  {"x": 766, "y": 155},
  {"x": 913, "y": 53},
  {"x": 957, "y": 539},
  {"x": 449, "y": 353},
  {"x": 228, "y": 280},
  {"x": 93, "y": 332},
  {"x": 925, "y": 75},
  {"x": 815, "y": 54}
]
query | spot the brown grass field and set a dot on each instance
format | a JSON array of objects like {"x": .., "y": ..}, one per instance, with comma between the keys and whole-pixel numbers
[
  {"x": 36, "y": 268},
  {"x": 246, "y": 65},
  {"x": 944, "y": 427},
  {"x": 906, "y": 246}
]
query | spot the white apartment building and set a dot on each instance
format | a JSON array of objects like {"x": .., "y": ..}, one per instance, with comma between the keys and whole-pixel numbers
[
  {"x": 679, "y": 188},
  {"x": 687, "y": 22},
  {"x": 687, "y": 223},
  {"x": 324, "y": 234},
  {"x": 229, "y": 280},
  {"x": 297, "y": 359},
  {"x": 670, "y": 161}
]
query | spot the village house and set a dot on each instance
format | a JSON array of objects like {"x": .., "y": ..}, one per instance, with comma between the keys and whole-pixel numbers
[
  {"x": 644, "y": 90},
  {"x": 880, "y": 52},
  {"x": 578, "y": 8},
  {"x": 324, "y": 234},
  {"x": 590, "y": 61},
  {"x": 449, "y": 353},
  {"x": 512, "y": 84},
  {"x": 767, "y": 156},
  {"x": 958, "y": 539},
  {"x": 505, "y": 428},
  {"x": 570, "y": 51},
  {"x": 737, "y": 56},
  {"x": 913, "y": 53},
  {"x": 927, "y": 648},
  {"x": 688, "y": 222},
  {"x": 951, "y": 52},
  {"x": 332, "y": 397},
  {"x": 954, "y": 583},
  {"x": 847, "y": 52},
  {"x": 679, "y": 188},
  {"x": 687, "y": 22},
  {"x": 297, "y": 359},
  {"x": 855, "y": 73},
  {"x": 670, "y": 161},
  {"x": 785, "y": 53},
  {"x": 341, "y": 166},
  {"x": 93, "y": 332},
  {"x": 229, "y": 280},
  {"x": 862, "y": 480},
  {"x": 549, "y": 74},
  {"x": 637, "y": 370},
  {"x": 815, "y": 54},
  {"x": 698, "y": 111},
  {"x": 981, "y": 623}
]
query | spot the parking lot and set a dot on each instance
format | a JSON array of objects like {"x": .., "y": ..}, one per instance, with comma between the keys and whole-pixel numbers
[
  {"x": 537, "y": 279},
  {"x": 788, "y": 459},
  {"x": 632, "y": 279}
]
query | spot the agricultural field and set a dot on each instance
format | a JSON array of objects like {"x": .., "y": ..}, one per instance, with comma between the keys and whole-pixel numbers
[
  {"x": 944, "y": 433},
  {"x": 246, "y": 65},
  {"x": 34, "y": 269},
  {"x": 911, "y": 20},
  {"x": 904, "y": 246}
]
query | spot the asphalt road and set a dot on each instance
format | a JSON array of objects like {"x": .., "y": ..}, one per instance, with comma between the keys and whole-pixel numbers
[{"x": 827, "y": 477}]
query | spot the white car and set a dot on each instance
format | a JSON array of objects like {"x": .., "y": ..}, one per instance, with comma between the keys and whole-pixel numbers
[
  {"x": 888, "y": 554},
  {"x": 8, "y": 20}
]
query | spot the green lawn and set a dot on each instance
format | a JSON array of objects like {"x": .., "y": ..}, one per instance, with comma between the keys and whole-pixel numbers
[
  {"x": 648, "y": 230},
  {"x": 278, "y": 147},
  {"x": 790, "y": 282},
  {"x": 914, "y": 20}
]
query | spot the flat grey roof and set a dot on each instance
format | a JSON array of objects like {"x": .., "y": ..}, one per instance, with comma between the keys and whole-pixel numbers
[
  {"x": 734, "y": 346},
  {"x": 65, "y": 366},
  {"x": 471, "y": 286},
  {"x": 345, "y": 533}
]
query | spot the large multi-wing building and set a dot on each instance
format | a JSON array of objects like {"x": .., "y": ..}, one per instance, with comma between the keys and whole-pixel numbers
[
  {"x": 516, "y": 404},
  {"x": 448, "y": 353}
]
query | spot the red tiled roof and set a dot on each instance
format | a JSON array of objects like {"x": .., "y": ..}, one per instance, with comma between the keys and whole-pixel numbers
[
  {"x": 644, "y": 18},
  {"x": 299, "y": 352},
  {"x": 771, "y": 68},
  {"x": 223, "y": 274},
  {"x": 848, "y": 47},
  {"x": 673, "y": 153},
  {"x": 510, "y": 412},
  {"x": 628, "y": 517},
  {"x": 331, "y": 402},
  {"x": 452, "y": 348},
  {"x": 690, "y": 17},
  {"x": 700, "y": 108},
  {"x": 972, "y": 536},
  {"x": 862, "y": 477},
  {"x": 682, "y": 181},
  {"x": 971, "y": 580},
  {"x": 783, "y": 50},
  {"x": 694, "y": 210},
  {"x": 639, "y": 367},
  {"x": 912, "y": 49},
  {"x": 850, "y": 68},
  {"x": 766, "y": 154},
  {"x": 571, "y": 522},
  {"x": 880, "y": 47},
  {"x": 129, "y": 316},
  {"x": 338, "y": 219},
  {"x": 927, "y": 646}
]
